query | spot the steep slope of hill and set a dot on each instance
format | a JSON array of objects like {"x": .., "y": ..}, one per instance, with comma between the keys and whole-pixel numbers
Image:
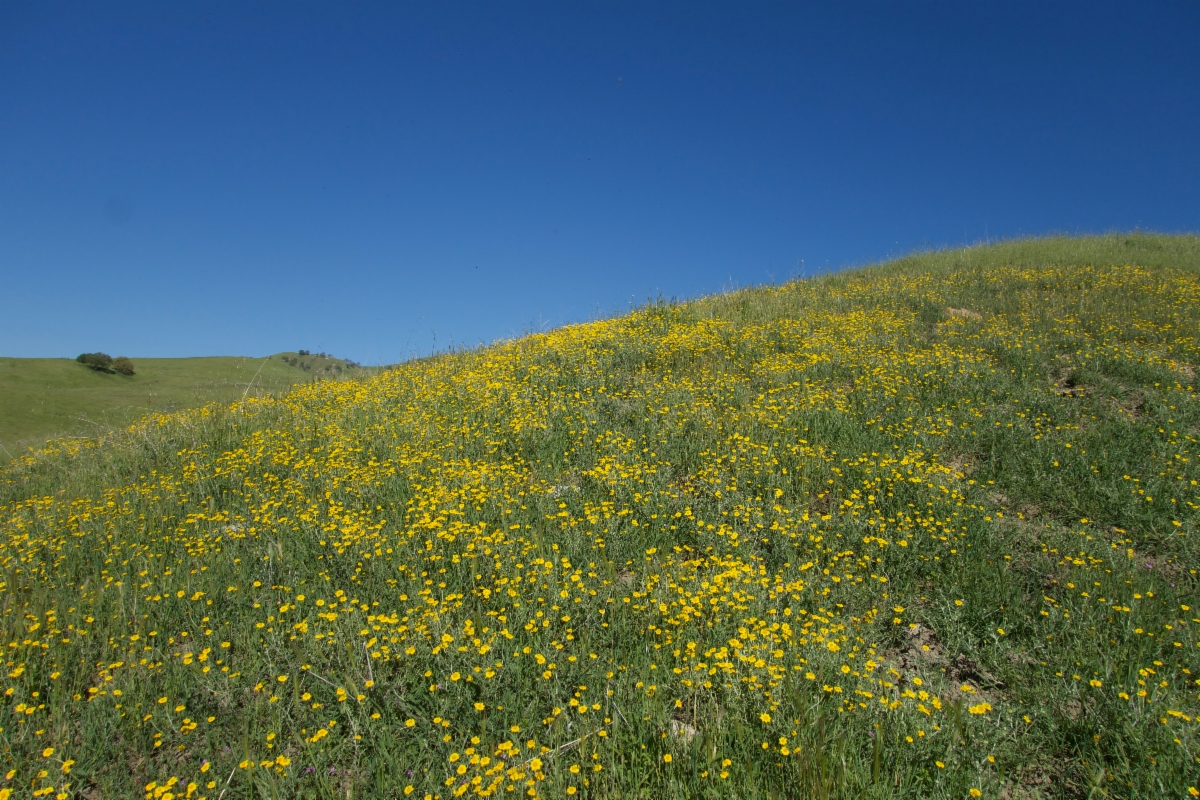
[
  {"x": 45, "y": 397},
  {"x": 927, "y": 530}
]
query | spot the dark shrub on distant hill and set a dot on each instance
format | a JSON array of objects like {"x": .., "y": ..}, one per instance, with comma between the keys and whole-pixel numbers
[
  {"x": 101, "y": 362},
  {"x": 123, "y": 365}
]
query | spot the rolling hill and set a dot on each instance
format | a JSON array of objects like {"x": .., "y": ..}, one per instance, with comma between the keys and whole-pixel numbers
[
  {"x": 41, "y": 398},
  {"x": 926, "y": 529}
]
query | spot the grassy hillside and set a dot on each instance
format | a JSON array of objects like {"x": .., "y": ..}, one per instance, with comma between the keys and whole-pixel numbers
[
  {"x": 927, "y": 529},
  {"x": 42, "y": 398}
]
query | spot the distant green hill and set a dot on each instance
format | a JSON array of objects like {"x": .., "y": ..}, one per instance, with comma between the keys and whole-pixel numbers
[{"x": 42, "y": 398}]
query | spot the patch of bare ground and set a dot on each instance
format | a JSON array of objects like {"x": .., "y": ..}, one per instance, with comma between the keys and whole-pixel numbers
[
  {"x": 971, "y": 679},
  {"x": 820, "y": 504},
  {"x": 1129, "y": 404},
  {"x": 683, "y": 731},
  {"x": 1029, "y": 782},
  {"x": 960, "y": 464},
  {"x": 1065, "y": 382},
  {"x": 1074, "y": 709},
  {"x": 626, "y": 578},
  {"x": 1165, "y": 566},
  {"x": 1024, "y": 512},
  {"x": 923, "y": 652},
  {"x": 688, "y": 722},
  {"x": 1029, "y": 511},
  {"x": 347, "y": 778},
  {"x": 1023, "y": 538}
]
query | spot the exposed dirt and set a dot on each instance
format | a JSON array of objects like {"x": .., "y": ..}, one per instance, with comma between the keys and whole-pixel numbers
[
  {"x": 922, "y": 650},
  {"x": 1129, "y": 404},
  {"x": 1165, "y": 566},
  {"x": 1028, "y": 782},
  {"x": 1029, "y": 511},
  {"x": 1065, "y": 384},
  {"x": 965, "y": 671},
  {"x": 821, "y": 503},
  {"x": 960, "y": 464},
  {"x": 968, "y": 680},
  {"x": 683, "y": 731}
]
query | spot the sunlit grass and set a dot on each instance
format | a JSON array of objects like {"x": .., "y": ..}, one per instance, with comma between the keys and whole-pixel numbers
[
  {"x": 922, "y": 530},
  {"x": 44, "y": 398}
]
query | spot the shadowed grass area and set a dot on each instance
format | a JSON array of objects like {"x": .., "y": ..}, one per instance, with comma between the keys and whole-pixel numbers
[
  {"x": 924, "y": 529},
  {"x": 41, "y": 398}
]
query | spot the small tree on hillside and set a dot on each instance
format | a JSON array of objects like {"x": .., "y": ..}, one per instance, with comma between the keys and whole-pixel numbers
[
  {"x": 123, "y": 365},
  {"x": 101, "y": 362}
]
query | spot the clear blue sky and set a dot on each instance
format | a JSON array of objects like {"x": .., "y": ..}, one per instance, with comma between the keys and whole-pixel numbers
[{"x": 375, "y": 180}]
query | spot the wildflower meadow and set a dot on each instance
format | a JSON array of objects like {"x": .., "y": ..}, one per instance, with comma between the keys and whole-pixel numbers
[{"x": 927, "y": 529}]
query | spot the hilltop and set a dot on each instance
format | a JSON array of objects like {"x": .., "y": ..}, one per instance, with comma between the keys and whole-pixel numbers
[
  {"x": 41, "y": 398},
  {"x": 926, "y": 529}
]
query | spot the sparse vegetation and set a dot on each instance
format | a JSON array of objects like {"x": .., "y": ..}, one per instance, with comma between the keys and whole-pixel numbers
[{"x": 926, "y": 530}]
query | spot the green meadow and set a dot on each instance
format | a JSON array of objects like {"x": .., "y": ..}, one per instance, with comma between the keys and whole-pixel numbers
[
  {"x": 925, "y": 529},
  {"x": 43, "y": 398}
]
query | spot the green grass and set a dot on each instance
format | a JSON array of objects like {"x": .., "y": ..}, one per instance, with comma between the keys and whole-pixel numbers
[
  {"x": 967, "y": 482},
  {"x": 43, "y": 398}
]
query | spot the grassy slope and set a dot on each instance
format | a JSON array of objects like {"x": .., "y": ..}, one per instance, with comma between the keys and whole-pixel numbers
[
  {"x": 45, "y": 397},
  {"x": 1022, "y": 471}
]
